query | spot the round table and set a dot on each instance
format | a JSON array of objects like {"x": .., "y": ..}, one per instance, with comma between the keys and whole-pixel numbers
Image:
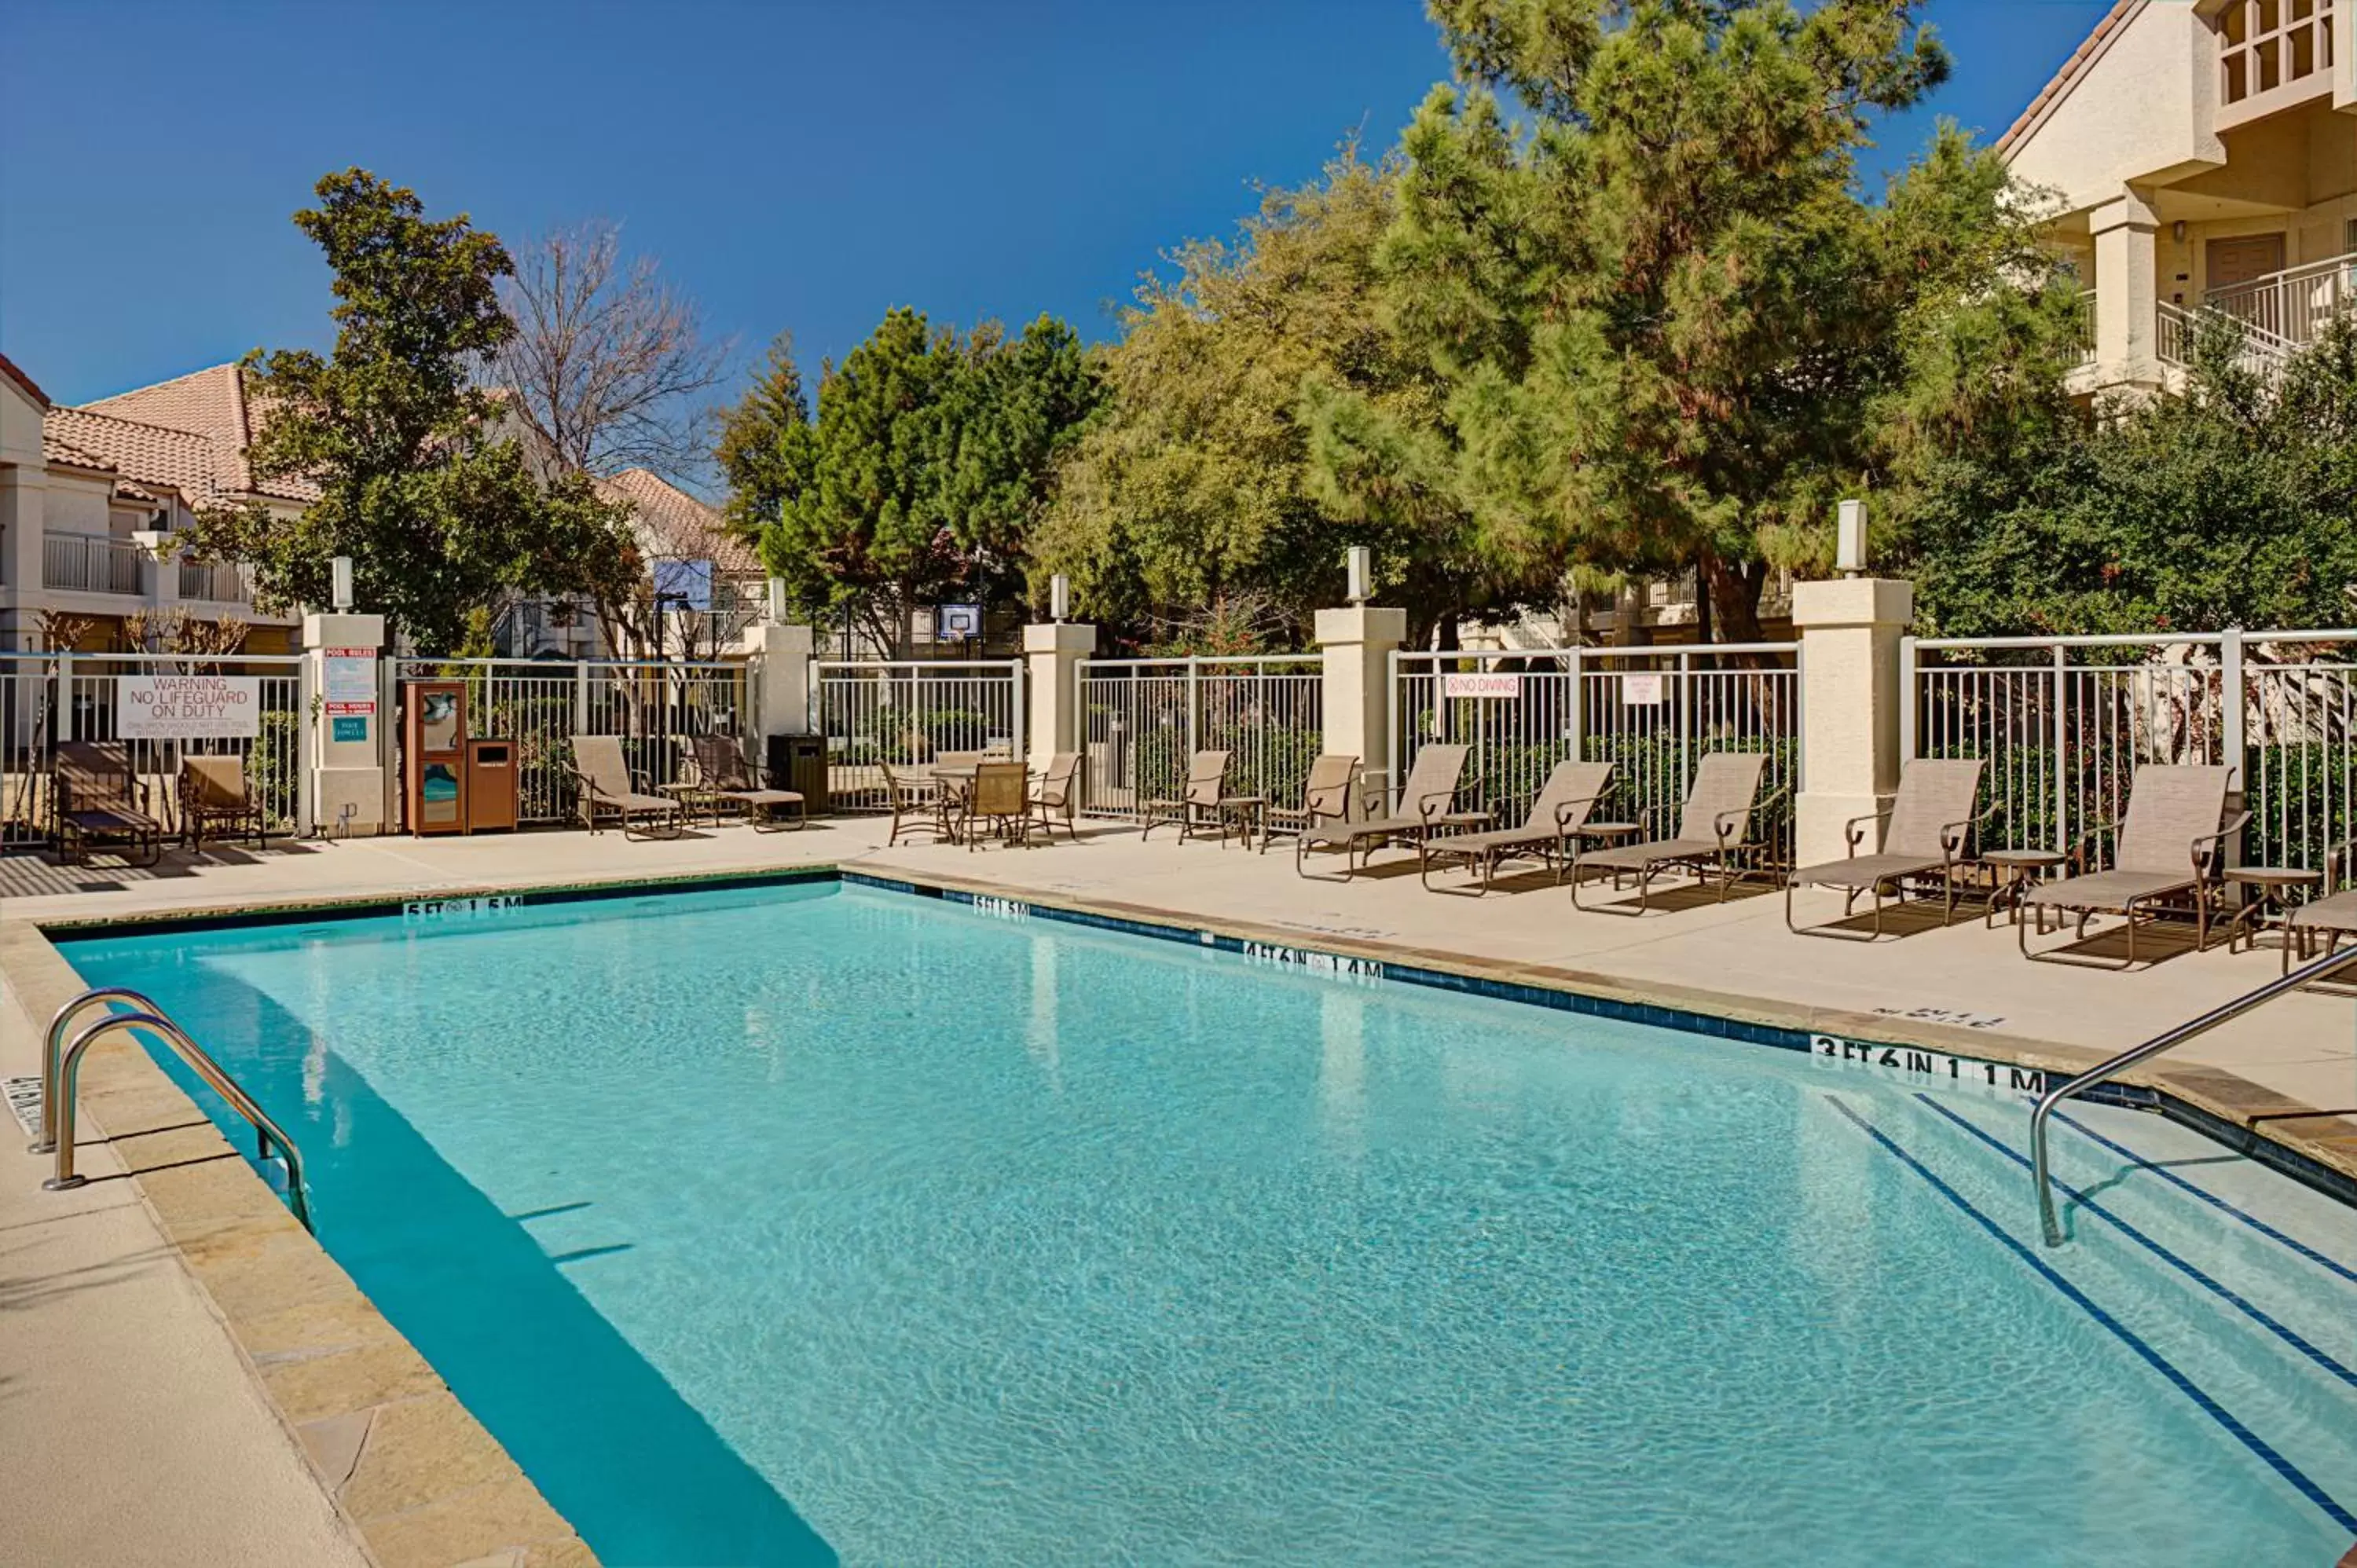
[
  {"x": 2023, "y": 869},
  {"x": 2268, "y": 884}
]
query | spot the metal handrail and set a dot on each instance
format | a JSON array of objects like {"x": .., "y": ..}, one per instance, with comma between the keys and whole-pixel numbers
[
  {"x": 53, "y": 1046},
  {"x": 2224, "y": 1013},
  {"x": 59, "y": 1090}
]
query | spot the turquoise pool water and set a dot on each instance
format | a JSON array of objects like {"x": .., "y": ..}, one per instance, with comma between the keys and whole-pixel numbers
[{"x": 806, "y": 1224}]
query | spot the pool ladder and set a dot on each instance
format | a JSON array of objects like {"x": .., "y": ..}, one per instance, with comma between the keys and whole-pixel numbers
[
  {"x": 2324, "y": 968},
  {"x": 61, "y": 1071}
]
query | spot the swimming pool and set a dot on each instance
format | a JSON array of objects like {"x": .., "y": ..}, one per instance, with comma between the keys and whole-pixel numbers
[{"x": 818, "y": 1222}]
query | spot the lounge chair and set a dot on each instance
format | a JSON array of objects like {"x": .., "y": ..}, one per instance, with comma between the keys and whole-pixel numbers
[
  {"x": 1200, "y": 804},
  {"x": 1324, "y": 798},
  {"x": 99, "y": 798},
  {"x": 919, "y": 805},
  {"x": 1550, "y": 831},
  {"x": 2172, "y": 844},
  {"x": 2333, "y": 917},
  {"x": 999, "y": 801},
  {"x": 1056, "y": 795},
  {"x": 1931, "y": 821},
  {"x": 1426, "y": 802},
  {"x": 607, "y": 788},
  {"x": 216, "y": 798},
  {"x": 721, "y": 768},
  {"x": 1714, "y": 828}
]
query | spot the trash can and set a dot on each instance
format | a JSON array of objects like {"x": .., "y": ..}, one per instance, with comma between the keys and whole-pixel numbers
[
  {"x": 491, "y": 793},
  {"x": 798, "y": 762}
]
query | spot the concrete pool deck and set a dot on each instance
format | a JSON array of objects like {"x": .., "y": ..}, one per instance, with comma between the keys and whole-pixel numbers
[{"x": 197, "y": 1383}]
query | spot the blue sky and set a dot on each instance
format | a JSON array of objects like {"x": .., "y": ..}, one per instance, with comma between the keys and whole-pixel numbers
[{"x": 800, "y": 165}]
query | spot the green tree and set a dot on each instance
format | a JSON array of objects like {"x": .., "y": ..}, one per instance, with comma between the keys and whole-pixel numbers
[
  {"x": 1661, "y": 313},
  {"x": 918, "y": 478},
  {"x": 2233, "y": 505},
  {"x": 440, "y": 516},
  {"x": 1190, "y": 514}
]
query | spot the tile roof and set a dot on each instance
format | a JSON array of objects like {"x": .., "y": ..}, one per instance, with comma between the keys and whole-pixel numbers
[
  {"x": 56, "y": 451},
  {"x": 674, "y": 525},
  {"x": 2090, "y": 50},
  {"x": 151, "y": 453},
  {"x": 211, "y": 404},
  {"x": 9, "y": 369}
]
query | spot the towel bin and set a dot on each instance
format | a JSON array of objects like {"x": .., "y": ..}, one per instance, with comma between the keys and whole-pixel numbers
[{"x": 490, "y": 786}]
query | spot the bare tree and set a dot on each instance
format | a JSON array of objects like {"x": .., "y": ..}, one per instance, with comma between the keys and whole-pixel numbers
[{"x": 608, "y": 360}]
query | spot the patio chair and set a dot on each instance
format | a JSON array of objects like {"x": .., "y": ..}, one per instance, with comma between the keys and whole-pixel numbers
[
  {"x": 216, "y": 798},
  {"x": 608, "y": 786},
  {"x": 1324, "y": 798},
  {"x": 919, "y": 805},
  {"x": 1056, "y": 794},
  {"x": 721, "y": 768},
  {"x": 1930, "y": 822},
  {"x": 2170, "y": 845},
  {"x": 999, "y": 802},
  {"x": 99, "y": 798},
  {"x": 1425, "y": 802},
  {"x": 2332, "y": 917},
  {"x": 1199, "y": 803},
  {"x": 1550, "y": 830},
  {"x": 1713, "y": 829}
]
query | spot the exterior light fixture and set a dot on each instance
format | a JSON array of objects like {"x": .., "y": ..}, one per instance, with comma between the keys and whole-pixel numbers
[
  {"x": 342, "y": 570},
  {"x": 777, "y": 601},
  {"x": 2177, "y": 231},
  {"x": 1849, "y": 549},
  {"x": 1060, "y": 597},
  {"x": 1360, "y": 562}
]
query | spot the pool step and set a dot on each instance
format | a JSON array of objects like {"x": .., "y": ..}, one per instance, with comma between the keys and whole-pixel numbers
[{"x": 2254, "y": 1321}]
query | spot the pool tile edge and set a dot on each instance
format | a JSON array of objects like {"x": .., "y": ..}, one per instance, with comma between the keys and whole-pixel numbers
[{"x": 416, "y": 1478}]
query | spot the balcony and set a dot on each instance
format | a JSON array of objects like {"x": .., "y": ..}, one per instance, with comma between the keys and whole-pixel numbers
[
  {"x": 2289, "y": 308},
  {"x": 94, "y": 563},
  {"x": 2272, "y": 54},
  {"x": 217, "y": 581}
]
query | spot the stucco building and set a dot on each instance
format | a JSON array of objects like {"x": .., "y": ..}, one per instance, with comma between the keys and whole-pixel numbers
[
  {"x": 2204, "y": 154},
  {"x": 96, "y": 502}
]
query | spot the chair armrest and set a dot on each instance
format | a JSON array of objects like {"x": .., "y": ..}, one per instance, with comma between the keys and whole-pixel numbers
[
  {"x": 1430, "y": 806},
  {"x": 588, "y": 786},
  {"x": 2205, "y": 860},
  {"x": 1564, "y": 808},
  {"x": 2087, "y": 836},
  {"x": 1853, "y": 830},
  {"x": 642, "y": 781}
]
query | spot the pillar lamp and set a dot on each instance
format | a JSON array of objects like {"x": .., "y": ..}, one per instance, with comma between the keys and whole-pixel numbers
[
  {"x": 1060, "y": 597},
  {"x": 1360, "y": 562},
  {"x": 777, "y": 601},
  {"x": 340, "y": 570},
  {"x": 1849, "y": 546}
]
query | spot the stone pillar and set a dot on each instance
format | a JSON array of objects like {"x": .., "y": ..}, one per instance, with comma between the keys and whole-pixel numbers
[
  {"x": 2126, "y": 293},
  {"x": 24, "y": 520},
  {"x": 1053, "y": 650},
  {"x": 1357, "y": 643},
  {"x": 345, "y": 735},
  {"x": 781, "y": 655},
  {"x": 1850, "y": 699}
]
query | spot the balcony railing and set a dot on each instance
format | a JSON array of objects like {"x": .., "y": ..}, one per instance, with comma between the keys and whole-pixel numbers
[
  {"x": 2291, "y": 305},
  {"x": 94, "y": 563},
  {"x": 2172, "y": 334},
  {"x": 220, "y": 582},
  {"x": 2086, "y": 328}
]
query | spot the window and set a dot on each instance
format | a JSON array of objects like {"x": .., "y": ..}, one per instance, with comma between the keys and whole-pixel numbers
[{"x": 2268, "y": 43}]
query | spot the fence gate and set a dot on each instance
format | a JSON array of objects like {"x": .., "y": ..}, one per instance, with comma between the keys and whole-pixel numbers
[
  {"x": 655, "y": 705},
  {"x": 874, "y": 711},
  {"x": 49, "y": 698},
  {"x": 2063, "y": 722},
  {"x": 1652, "y": 713},
  {"x": 1141, "y": 719}
]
